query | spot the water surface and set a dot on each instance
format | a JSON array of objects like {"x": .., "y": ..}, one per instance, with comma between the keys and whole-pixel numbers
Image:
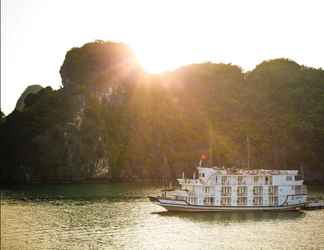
[{"x": 119, "y": 216}]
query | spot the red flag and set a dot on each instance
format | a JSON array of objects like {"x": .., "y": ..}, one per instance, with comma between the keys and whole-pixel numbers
[{"x": 203, "y": 157}]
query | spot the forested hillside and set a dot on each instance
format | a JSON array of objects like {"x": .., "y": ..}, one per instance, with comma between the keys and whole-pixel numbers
[{"x": 111, "y": 120}]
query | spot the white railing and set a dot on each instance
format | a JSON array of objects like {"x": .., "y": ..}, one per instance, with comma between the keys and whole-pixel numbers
[{"x": 189, "y": 181}]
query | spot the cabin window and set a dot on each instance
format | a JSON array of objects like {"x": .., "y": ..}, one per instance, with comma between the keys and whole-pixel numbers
[
  {"x": 224, "y": 180},
  {"x": 242, "y": 201},
  {"x": 256, "y": 179},
  {"x": 225, "y": 201},
  {"x": 206, "y": 189},
  {"x": 202, "y": 174},
  {"x": 257, "y": 190},
  {"x": 273, "y": 190},
  {"x": 192, "y": 200},
  {"x": 273, "y": 200},
  {"x": 240, "y": 180},
  {"x": 298, "y": 177},
  {"x": 289, "y": 178},
  {"x": 268, "y": 180},
  {"x": 242, "y": 191},
  {"x": 298, "y": 189},
  {"x": 226, "y": 191},
  {"x": 257, "y": 201},
  {"x": 208, "y": 200}
]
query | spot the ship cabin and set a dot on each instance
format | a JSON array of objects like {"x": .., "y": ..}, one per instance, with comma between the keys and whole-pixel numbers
[{"x": 217, "y": 186}]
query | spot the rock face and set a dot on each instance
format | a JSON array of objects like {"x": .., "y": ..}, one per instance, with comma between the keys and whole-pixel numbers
[
  {"x": 75, "y": 133},
  {"x": 72, "y": 150},
  {"x": 31, "y": 89}
]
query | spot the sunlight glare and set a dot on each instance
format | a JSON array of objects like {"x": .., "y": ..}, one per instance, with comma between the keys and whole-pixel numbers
[{"x": 157, "y": 60}]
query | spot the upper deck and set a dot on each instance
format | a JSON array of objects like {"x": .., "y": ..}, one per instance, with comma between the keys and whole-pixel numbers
[{"x": 231, "y": 176}]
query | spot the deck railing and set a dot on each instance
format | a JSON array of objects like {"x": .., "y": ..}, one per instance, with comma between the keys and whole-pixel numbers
[{"x": 189, "y": 181}]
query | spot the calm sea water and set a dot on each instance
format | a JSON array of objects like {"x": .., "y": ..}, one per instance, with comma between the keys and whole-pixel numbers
[{"x": 119, "y": 216}]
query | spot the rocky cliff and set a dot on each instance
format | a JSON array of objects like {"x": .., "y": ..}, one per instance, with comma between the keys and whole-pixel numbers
[
  {"x": 31, "y": 89},
  {"x": 112, "y": 121}
]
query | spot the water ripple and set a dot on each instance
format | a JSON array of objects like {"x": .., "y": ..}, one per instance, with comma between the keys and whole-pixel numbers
[{"x": 125, "y": 219}]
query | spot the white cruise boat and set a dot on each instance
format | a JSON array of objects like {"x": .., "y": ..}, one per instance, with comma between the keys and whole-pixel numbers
[{"x": 220, "y": 189}]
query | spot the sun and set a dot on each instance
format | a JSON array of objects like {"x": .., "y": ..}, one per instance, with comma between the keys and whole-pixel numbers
[
  {"x": 154, "y": 65},
  {"x": 155, "y": 62},
  {"x": 155, "y": 59}
]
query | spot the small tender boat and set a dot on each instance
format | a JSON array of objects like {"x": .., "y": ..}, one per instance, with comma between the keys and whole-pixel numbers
[
  {"x": 220, "y": 189},
  {"x": 312, "y": 205}
]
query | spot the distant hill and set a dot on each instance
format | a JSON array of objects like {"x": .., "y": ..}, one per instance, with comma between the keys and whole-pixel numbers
[{"x": 31, "y": 89}]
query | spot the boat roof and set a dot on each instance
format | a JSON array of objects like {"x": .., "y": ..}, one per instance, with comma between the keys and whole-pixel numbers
[{"x": 240, "y": 171}]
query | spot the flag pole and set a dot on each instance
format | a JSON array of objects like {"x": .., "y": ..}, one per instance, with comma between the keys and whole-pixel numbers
[{"x": 248, "y": 151}]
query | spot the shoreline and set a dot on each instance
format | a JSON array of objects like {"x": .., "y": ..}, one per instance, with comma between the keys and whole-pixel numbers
[{"x": 165, "y": 182}]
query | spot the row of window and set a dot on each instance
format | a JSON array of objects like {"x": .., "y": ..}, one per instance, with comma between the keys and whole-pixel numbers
[
  {"x": 243, "y": 180},
  {"x": 241, "y": 201},
  {"x": 257, "y": 190},
  {"x": 242, "y": 190}
]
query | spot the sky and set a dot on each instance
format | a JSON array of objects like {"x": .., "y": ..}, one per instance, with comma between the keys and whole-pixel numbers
[{"x": 36, "y": 34}]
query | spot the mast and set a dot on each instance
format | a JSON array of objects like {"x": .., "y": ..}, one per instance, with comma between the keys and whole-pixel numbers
[
  {"x": 248, "y": 151},
  {"x": 302, "y": 172}
]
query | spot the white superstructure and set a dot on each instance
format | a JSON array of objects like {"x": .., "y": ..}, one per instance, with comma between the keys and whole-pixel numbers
[{"x": 237, "y": 189}]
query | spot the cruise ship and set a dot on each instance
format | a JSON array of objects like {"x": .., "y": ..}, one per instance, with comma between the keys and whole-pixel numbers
[{"x": 221, "y": 189}]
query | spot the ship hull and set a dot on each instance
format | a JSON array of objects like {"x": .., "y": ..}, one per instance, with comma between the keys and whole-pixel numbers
[{"x": 183, "y": 206}]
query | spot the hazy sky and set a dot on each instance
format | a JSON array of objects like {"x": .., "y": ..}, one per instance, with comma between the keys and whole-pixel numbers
[{"x": 35, "y": 34}]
